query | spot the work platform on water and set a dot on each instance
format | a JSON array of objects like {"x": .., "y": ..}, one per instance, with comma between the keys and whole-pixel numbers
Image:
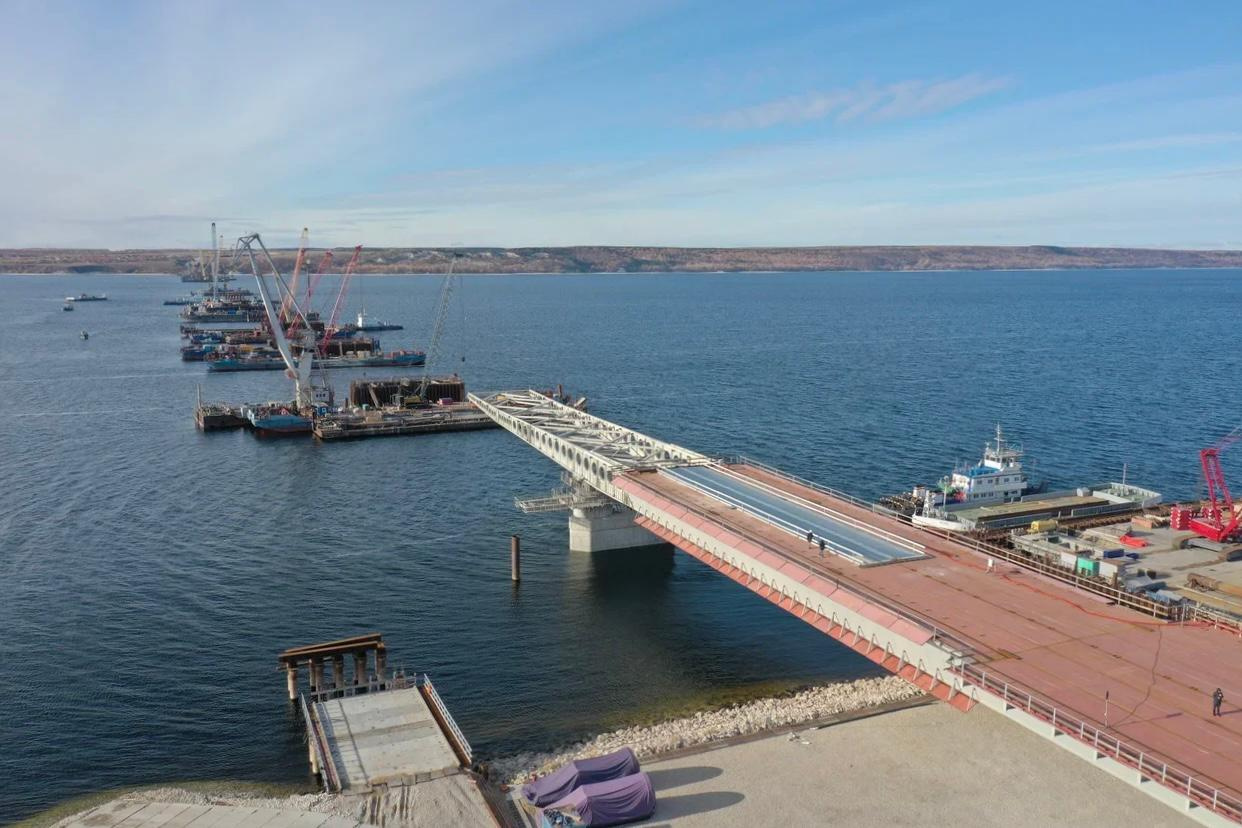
[
  {"x": 378, "y": 408},
  {"x": 1118, "y": 679}
]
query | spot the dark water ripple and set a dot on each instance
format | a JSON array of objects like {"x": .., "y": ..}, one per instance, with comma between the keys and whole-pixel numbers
[{"x": 149, "y": 573}]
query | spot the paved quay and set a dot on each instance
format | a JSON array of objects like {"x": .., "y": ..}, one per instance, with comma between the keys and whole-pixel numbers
[
  {"x": 123, "y": 813},
  {"x": 922, "y": 766},
  {"x": 1058, "y": 643}
]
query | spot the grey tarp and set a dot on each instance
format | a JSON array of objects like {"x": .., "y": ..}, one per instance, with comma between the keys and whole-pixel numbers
[
  {"x": 614, "y": 802},
  {"x": 560, "y": 783}
]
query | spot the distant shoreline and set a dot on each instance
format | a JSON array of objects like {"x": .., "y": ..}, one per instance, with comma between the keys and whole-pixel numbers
[
  {"x": 414, "y": 261},
  {"x": 668, "y": 272}
]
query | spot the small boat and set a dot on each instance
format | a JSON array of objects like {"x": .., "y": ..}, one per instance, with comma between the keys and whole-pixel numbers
[
  {"x": 85, "y": 335},
  {"x": 87, "y": 297},
  {"x": 367, "y": 323},
  {"x": 189, "y": 300},
  {"x": 68, "y": 306}
]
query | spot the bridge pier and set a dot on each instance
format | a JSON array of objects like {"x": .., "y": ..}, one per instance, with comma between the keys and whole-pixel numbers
[{"x": 601, "y": 530}]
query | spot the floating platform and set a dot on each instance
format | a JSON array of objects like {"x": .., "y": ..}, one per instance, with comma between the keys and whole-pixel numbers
[
  {"x": 357, "y": 424},
  {"x": 219, "y": 416},
  {"x": 403, "y": 391}
]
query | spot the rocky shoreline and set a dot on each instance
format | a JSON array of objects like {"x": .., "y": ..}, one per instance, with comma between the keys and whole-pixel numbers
[{"x": 703, "y": 728}]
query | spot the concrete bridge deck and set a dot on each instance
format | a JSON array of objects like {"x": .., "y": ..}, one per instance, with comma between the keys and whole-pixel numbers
[{"x": 1028, "y": 631}]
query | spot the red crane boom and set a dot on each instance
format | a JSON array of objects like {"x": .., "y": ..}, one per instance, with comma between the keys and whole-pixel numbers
[
  {"x": 1217, "y": 520},
  {"x": 331, "y": 328}
]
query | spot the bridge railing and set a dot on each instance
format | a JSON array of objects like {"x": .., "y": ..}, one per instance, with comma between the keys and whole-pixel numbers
[
  {"x": 1141, "y": 603},
  {"x": 314, "y": 733},
  {"x": 423, "y": 681},
  {"x": 841, "y": 517},
  {"x": 1216, "y": 618},
  {"x": 956, "y": 645},
  {"x": 1201, "y": 793},
  {"x": 1130, "y": 600},
  {"x": 742, "y": 459}
]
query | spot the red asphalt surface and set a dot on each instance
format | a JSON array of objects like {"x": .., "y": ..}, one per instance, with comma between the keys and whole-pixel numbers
[{"x": 1066, "y": 646}]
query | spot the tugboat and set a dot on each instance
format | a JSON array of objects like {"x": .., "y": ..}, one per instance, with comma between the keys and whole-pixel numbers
[
  {"x": 997, "y": 478},
  {"x": 85, "y": 335},
  {"x": 68, "y": 306}
]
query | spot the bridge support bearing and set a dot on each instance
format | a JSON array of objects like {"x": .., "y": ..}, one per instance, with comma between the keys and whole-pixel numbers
[{"x": 600, "y": 530}]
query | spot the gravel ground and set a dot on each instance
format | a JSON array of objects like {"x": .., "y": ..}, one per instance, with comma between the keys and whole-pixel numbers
[{"x": 701, "y": 728}]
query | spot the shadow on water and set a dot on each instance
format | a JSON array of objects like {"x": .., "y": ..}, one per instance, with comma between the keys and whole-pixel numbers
[{"x": 629, "y": 574}]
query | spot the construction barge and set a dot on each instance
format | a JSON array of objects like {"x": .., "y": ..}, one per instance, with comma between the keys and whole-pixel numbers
[{"x": 377, "y": 408}]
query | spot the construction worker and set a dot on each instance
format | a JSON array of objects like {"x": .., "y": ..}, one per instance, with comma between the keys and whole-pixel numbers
[
  {"x": 822, "y": 545},
  {"x": 810, "y": 538},
  {"x": 1218, "y": 696}
]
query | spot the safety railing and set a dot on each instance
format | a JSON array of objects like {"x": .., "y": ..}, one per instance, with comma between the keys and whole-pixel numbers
[
  {"x": 423, "y": 681},
  {"x": 1203, "y": 794},
  {"x": 742, "y": 459},
  {"x": 958, "y": 646},
  {"x": 1141, "y": 603},
  {"x": 854, "y": 522},
  {"x": 327, "y": 767},
  {"x": 373, "y": 684},
  {"x": 1217, "y": 618},
  {"x": 1131, "y": 600}
]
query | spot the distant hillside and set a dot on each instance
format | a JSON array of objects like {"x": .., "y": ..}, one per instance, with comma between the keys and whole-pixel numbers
[{"x": 648, "y": 259}]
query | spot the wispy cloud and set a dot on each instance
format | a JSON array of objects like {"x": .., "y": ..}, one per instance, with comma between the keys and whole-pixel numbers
[
  {"x": 1186, "y": 140},
  {"x": 903, "y": 99}
]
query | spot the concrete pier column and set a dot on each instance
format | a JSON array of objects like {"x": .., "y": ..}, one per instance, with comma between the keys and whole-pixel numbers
[
  {"x": 316, "y": 675},
  {"x": 381, "y": 664},
  {"x": 338, "y": 671},
  {"x": 360, "y": 668},
  {"x": 291, "y": 681},
  {"x": 598, "y": 530},
  {"x": 310, "y": 753},
  {"x": 515, "y": 558}
]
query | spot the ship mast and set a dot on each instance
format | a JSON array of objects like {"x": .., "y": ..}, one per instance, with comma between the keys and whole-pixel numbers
[{"x": 215, "y": 260}]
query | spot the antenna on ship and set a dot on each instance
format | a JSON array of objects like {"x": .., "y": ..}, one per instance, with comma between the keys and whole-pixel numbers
[{"x": 215, "y": 259}]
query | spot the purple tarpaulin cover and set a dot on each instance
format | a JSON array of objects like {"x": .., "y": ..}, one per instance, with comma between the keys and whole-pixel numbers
[
  {"x": 614, "y": 802},
  {"x": 559, "y": 783}
]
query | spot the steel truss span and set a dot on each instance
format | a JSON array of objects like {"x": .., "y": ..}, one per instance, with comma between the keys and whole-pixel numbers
[{"x": 557, "y": 429}]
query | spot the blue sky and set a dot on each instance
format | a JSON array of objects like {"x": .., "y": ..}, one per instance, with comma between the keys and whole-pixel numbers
[{"x": 654, "y": 122}]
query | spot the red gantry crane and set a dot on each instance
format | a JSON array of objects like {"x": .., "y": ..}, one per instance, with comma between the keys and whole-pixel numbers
[{"x": 1217, "y": 519}]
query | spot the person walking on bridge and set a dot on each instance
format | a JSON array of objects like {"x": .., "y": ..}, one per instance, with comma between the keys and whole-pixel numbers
[
  {"x": 810, "y": 538},
  {"x": 1218, "y": 696}
]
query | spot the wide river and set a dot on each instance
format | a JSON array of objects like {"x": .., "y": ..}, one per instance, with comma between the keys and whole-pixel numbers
[{"x": 150, "y": 573}]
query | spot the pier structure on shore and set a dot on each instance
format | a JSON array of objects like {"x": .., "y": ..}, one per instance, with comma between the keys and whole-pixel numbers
[
  {"x": 968, "y": 622},
  {"x": 378, "y": 734}
]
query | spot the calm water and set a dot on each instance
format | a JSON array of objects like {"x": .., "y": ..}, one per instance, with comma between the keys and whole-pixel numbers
[{"x": 149, "y": 573}]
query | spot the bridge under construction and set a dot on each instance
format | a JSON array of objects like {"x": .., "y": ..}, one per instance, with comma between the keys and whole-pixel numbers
[{"x": 1124, "y": 689}]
